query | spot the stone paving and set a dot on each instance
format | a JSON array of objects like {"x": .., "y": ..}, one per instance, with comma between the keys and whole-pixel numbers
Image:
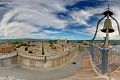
[
  {"x": 85, "y": 72},
  {"x": 9, "y": 78},
  {"x": 57, "y": 73},
  {"x": 115, "y": 75},
  {"x": 82, "y": 70}
]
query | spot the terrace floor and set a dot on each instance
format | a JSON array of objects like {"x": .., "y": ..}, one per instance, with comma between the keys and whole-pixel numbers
[
  {"x": 57, "y": 73},
  {"x": 85, "y": 71},
  {"x": 82, "y": 70},
  {"x": 115, "y": 75}
]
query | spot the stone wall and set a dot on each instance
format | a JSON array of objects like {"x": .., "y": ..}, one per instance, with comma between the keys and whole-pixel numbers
[
  {"x": 8, "y": 61},
  {"x": 49, "y": 61},
  {"x": 42, "y": 61}
]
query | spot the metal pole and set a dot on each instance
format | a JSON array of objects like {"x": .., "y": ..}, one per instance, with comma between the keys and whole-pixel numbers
[
  {"x": 42, "y": 49},
  {"x": 106, "y": 45},
  {"x": 107, "y": 35},
  {"x": 104, "y": 60}
]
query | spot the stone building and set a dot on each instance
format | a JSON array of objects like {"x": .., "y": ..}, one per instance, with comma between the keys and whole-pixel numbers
[{"x": 4, "y": 48}]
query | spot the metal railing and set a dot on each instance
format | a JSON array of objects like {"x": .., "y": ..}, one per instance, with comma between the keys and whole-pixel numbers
[
  {"x": 99, "y": 57},
  {"x": 105, "y": 60},
  {"x": 114, "y": 57}
]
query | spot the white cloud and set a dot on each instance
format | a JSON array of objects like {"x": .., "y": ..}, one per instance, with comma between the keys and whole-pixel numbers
[
  {"x": 51, "y": 32},
  {"x": 15, "y": 29},
  {"x": 81, "y": 17},
  {"x": 40, "y": 18},
  {"x": 31, "y": 13}
]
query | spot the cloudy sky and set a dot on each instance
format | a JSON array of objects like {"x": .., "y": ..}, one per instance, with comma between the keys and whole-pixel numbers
[{"x": 54, "y": 19}]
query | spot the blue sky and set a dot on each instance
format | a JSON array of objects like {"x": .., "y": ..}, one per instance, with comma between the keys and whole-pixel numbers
[{"x": 53, "y": 19}]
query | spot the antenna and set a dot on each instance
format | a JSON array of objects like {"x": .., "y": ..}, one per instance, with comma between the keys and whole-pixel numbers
[
  {"x": 108, "y": 7},
  {"x": 108, "y": 4}
]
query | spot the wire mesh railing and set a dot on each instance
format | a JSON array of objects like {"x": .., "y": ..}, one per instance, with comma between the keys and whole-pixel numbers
[
  {"x": 114, "y": 57},
  {"x": 104, "y": 59},
  {"x": 99, "y": 57}
]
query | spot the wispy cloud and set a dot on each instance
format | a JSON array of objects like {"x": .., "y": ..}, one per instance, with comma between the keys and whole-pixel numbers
[
  {"x": 30, "y": 18},
  {"x": 25, "y": 14}
]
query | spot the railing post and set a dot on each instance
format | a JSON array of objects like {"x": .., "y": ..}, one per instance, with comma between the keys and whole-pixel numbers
[
  {"x": 91, "y": 48},
  {"x": 104, "y": 60},
  {"x": 45, "y": 59}
]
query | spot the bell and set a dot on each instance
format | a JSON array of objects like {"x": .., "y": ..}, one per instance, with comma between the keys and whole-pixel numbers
[{"x": 108, "y": 24}]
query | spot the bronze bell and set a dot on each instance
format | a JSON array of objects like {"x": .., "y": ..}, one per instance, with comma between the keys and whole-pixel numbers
[{"x": 108, "y": 24}]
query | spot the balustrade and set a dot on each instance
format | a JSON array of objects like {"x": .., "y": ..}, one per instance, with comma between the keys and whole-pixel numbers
[{"x": 105, "y": 59}]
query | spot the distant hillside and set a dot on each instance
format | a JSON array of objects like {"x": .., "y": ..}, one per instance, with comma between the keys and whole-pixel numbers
[{"x": 44, "y": 40}]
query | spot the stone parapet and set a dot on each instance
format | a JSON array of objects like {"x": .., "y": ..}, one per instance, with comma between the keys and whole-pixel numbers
[
  {"x": 38, "y": 61},
  {"x": 44, "y": 61}
]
